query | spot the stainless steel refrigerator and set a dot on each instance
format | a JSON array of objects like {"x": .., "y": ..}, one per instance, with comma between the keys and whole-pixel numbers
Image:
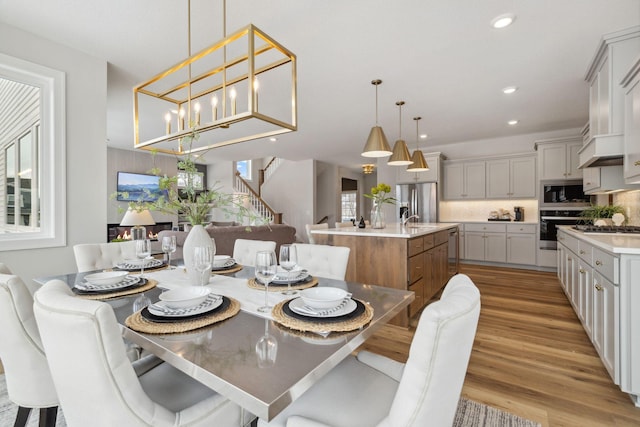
[{"x": 418, "y": 199}]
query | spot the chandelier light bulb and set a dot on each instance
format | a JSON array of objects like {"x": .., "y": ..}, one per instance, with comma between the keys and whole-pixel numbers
[{"x": 167, "y": 118}]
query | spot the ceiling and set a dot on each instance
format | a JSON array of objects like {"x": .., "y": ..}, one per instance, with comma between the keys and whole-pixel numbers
[{"x": 439, "y": 56}]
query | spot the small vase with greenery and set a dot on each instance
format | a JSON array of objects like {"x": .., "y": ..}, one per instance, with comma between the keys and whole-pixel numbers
[
  {"x": 379, "y": 195},
  {"x": 596, "y": 212}
]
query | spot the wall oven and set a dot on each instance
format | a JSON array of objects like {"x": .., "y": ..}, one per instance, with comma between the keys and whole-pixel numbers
[
  {"x": 565, "y": 194},
  {"x": 549, "y": 222}
]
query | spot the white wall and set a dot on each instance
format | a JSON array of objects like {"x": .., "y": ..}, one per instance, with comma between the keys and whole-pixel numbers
[
  {"x": 325, "y": 190},
  {"x": 290, "y": 191},
  {"x": 86, "y": 150}
]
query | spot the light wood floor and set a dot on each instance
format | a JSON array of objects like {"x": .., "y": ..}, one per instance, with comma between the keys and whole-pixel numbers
[{"x": 531, "y": 356}]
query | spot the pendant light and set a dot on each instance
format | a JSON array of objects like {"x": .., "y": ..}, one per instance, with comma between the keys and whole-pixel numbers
[
  {"x": 419, "y": 163},
  {"x": 400, "y": 156},
  {"x": 377, "y": 144}
]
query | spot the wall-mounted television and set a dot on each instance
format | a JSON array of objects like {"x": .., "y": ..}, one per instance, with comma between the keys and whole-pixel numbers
[{"x": 138, "y": 187}]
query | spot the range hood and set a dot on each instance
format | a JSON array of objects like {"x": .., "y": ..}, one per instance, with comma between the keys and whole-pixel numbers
[{"x": 602, "y": 150}]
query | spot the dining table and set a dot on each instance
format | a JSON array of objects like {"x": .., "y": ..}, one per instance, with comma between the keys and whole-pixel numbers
[{"x": 251, "y": 358}]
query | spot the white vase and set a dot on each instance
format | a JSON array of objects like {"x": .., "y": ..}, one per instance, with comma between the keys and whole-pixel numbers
[{"x": 198, "y": 236}]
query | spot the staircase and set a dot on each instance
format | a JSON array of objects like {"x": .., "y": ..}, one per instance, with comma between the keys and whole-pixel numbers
[{"x": 259, "y": 206}]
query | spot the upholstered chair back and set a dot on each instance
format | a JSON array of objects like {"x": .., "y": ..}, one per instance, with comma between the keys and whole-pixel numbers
[
  {"x": 244, "y": 251},
  {"x": 97, "y": 256},
  {"x": 323, "y": 260},
  {"x": 433, "y": 376},
  {"x": 309, "y": 227},
  {"x": 29, "y": 382}
]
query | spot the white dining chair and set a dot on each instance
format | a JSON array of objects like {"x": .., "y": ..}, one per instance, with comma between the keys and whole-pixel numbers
[
  {"x": 372, "y": 390},
  {"x": 98, "y": 256},
  {"x": 244, "y": 250},
  {"x": 97, "y": 384},
  {"x": 29, "y": 383},
  {"x": 309, "y": 227},
  {"x": 323, "y": 260}
]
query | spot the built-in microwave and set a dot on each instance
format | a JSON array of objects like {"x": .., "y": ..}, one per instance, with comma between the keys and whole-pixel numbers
[{"x": 562, "y": 194}]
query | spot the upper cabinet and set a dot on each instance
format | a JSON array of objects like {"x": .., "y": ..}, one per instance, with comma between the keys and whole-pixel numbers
[
  {"x": 511, "y": 178},
  {"x": 432, "y": 175},
  {"x": 558, "y": 158},
  {"x": 631, "y": 86},
  {"x": 464, "y": 180},
  {"x": 614, "y": 56}
]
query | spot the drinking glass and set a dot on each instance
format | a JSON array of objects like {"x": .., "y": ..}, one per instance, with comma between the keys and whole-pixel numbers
[
  {"x": 266, "y": 348},
  {"x": 143, "y": 251},
  {"x": 169, "y": 247},
  {"x": 266, "y": 268},
  {"x": 288, "y": 261},
  {"x": 202, "y": 260}
]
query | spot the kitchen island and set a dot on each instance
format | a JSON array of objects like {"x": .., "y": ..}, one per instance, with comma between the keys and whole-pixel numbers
[{"x": 415, "y": 257}]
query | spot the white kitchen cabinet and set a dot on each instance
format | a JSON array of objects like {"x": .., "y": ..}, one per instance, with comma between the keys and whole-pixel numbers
[
  {"x": 585, "y": 296},
  {"x": 521, "y": 244},
  {"x": 559, "y": 158},
  {"x": 631, "y": 86},
  {"x": 606, "y": 179},
  {"x": 432, "y": 175},
  {"x": 604, "y": 321},
  {"x": 485, "y": 242},
  {"x": 511, "y": 178},
  {"x": 464, "y": 180}
]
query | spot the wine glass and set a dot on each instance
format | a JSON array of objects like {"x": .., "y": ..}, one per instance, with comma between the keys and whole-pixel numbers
[
  {"x": 143, "y": 251},
  {"x": 202, "y": 260},
  {"x": 288, "y": 261},
  {"x": 266, "y": 348},
  {"x": 266, "y": 268},
  {"x": 169, "y": 247}
]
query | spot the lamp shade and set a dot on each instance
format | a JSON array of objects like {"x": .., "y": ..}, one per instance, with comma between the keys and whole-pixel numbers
[
  {"x": 133, "y": 217},
  {"x": 377, "y": 144},
  {"x": 400, "y": 156},
  {"x": 419, "y": 163}
]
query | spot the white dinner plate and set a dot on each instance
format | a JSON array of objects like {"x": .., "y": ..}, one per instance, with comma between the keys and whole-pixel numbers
[
  {"x": 137, "y": 264},
  {"x": 125, "y": 282},
  {"x": 282, "y": 278},
  {"x": 296, "y": 306},
  {"x": 212, "y": 302},
  {"x": 229, "y": 263}
]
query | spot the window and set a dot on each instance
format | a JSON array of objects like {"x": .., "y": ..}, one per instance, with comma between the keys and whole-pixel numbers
[
  {"x": 349, "y": 205},
  {"x": 244, "y": 167},
  {"x": 32, "y": 156}
]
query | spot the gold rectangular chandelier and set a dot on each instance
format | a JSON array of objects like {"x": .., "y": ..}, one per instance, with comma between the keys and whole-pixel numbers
[{"x": 241, "y": 88}]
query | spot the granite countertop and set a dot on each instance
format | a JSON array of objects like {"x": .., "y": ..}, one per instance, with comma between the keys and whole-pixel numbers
[
  {"x": 391, "y": 230},
  {"x": 617, "y": 243}
]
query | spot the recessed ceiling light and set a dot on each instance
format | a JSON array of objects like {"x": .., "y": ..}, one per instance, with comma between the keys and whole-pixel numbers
[
  {"x": 512, "y": 122},
  {"x": 423, "y": 136},
  {"x": 272, "y": 139},
  {"x": 503, "y": 20},
  {"x": 509, "y": 89}
]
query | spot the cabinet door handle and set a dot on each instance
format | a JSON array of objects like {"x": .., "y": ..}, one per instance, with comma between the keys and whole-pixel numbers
[
  {"x": 598, "y": 262},
  {"x": 569, "y": 259},
  {"x": 588, "y": 183},
  {"x": 598, "y": 287},
  {"x": 582, "y": 252},
  {"x": 636, "y": 163},
  {"x": 560, "y": 238},
  {"x": 581, "y": 271}
]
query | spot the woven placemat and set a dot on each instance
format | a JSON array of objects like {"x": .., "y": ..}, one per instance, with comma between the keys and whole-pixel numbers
[
  {"x": 254, "y": 284},
  {"x": 231, "y": 270},
  {"x": 137, "y": 290},
  {"x": 319, "y": 326},
  {"x": 140, "y": 324}
]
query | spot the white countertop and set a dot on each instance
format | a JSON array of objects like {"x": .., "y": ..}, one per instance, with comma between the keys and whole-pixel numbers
[
  {"x": 391, "y": 230},
  {"x": 617, "y": 243}
]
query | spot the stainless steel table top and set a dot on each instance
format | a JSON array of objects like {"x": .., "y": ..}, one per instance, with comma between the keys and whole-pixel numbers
[{"x": 223, "y": 356}]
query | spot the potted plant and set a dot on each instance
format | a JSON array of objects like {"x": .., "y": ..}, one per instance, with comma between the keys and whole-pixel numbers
[{"x": 600, "y": 212}]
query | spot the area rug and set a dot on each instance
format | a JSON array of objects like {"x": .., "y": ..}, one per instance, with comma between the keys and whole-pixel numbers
[{"x": 470, "y": 414}]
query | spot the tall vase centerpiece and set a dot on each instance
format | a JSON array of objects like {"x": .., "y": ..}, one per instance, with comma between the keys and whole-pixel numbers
[
  {"x": 379, "y": 195},
  {"x": 198, "y": 236}
]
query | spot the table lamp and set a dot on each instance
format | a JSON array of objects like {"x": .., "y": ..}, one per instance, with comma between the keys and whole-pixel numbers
[{"x": 136, "y": 220}]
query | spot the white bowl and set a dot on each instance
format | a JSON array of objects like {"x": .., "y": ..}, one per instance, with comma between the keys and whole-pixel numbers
[
  {"x": 323, "y": 297},
  {"x": 105, "y": 278},
  {"x": 185, "y": 297},
  {"x": 220, "y": 260}
]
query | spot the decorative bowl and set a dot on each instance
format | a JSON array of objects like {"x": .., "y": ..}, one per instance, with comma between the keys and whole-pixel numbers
[
  {"x": 105, "y": 278},
  {"x": 220, "y": 260},
  {"x": 323, "y": 297},
  {"x": 186, "y": 297}
]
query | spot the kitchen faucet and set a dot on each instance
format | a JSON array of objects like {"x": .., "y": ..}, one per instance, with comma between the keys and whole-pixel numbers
[{"x": 406, "y": 220}]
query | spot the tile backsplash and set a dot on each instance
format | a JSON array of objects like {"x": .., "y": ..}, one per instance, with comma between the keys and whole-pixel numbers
[
  {"x": 630, "y": 200},
  {"x": 478, "y": 210}
]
